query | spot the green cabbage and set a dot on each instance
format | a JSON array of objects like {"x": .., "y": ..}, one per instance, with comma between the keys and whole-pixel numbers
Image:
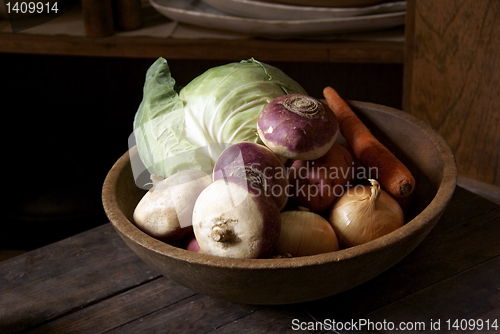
[{"x": 188, "y": 130}]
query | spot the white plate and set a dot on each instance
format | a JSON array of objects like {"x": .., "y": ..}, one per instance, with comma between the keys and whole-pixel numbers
[
  {"x": 198, "y": 13},
  {"x": 273, "y": 11},
  {"x": 329, "y": 3}
]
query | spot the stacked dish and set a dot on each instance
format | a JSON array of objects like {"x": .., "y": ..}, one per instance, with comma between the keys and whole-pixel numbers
[{"x": 284, "y": 18}]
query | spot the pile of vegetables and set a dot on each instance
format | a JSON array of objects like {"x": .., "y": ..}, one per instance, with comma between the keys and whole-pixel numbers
[
  {"x": 282, "y": 164},
  {"x": 189, "y": 129}
]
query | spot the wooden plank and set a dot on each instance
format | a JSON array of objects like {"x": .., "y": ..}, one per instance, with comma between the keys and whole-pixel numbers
[
  {"x": 100, "y": 286},
  {"x": 453, "y": 246},
  {"x": 486, "y": 190},
  {"x": 278, "y": 319},
  {"x": 452, "y": 75},
  {"x": 150, "y": 304},
  {"x": 58, "y": 279},
  {"x": 207, "y": 49},
  {"x": 197, "y": 314},
  {"x": 451, "y": 300},
  {"x": 6, "y": 254},
  {"x": 162, "y": 303},
  {"x": 118, "y": 310}
]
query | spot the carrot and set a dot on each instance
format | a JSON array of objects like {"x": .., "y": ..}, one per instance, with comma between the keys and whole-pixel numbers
[{"x": 393, "y": 175}]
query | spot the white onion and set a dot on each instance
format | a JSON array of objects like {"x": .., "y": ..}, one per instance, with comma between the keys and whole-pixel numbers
[{"x": 365, "y": 213}]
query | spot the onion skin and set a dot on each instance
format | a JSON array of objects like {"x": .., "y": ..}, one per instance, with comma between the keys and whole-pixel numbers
[
  {"x": 318, "y": 183},
  {"x": 230, "y": 219},
  {"x": 306, "y": 135},
  {"x": 305, "y": 233},
  {"x": 364, "y": 214},
  {"x": 262, "y": 167}
]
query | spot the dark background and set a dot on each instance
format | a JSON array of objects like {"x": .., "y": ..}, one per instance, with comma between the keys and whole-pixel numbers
[{"x": 68, "y": 119}]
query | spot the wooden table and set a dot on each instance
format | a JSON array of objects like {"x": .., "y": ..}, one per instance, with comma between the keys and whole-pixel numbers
[{"x": 92, "y": 283}]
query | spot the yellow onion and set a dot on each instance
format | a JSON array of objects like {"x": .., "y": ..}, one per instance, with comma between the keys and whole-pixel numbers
[
  {"x": 365, "y": 213},
  {"x": 305, "y": 233}
]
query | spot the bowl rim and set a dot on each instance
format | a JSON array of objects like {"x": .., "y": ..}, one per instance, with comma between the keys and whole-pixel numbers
[{"x": 127, "y": 229}]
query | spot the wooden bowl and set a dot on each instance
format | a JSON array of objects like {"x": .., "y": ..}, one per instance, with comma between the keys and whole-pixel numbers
[{"x": 292, "y": 280}]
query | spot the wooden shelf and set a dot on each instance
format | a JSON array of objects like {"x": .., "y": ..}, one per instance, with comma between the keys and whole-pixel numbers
[
  {"x": 374, "y": 47},
  {"x": 151, "y": 47}
]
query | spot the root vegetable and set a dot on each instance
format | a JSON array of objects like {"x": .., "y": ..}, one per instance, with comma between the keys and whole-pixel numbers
[
  {"x": 192, "y": 244},
  {"x": 297, "y": 126},
  {"x": 259, "y": 165},
  {"x": 393, "y": 175},
  {"x": 230, "y": 219},
  {"x": 318, "y": 183},
  {"x": 306, "y": 233},
  {"x": 165, "y": 211}
]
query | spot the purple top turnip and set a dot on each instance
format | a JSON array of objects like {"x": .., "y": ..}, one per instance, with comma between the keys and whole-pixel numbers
[
  {"x": 318, "y": 183},
  {"x": 259, "y": 166},
  {"x": 297, "y": 126}
]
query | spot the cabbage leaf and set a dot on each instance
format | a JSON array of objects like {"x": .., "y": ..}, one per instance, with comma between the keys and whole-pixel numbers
[{"x": 190, "y": 129}]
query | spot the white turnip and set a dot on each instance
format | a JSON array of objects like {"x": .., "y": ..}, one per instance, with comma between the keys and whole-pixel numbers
[
  {"x": 165, "y": 211},
  {"x": 230, "y": 219}
]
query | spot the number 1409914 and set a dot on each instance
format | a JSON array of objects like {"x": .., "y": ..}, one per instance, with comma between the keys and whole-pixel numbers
[
  {"x": 21, "y": 7},
  {"x": 472, "y": 324}
]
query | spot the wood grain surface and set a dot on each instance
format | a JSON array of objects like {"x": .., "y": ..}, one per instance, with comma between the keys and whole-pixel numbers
[
  {"x": 452, "y": 78},
  {"x": 93, "y": 283}
]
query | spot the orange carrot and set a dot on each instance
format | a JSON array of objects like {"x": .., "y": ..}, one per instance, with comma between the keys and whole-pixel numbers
[{"x": 393, "y": 175}]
